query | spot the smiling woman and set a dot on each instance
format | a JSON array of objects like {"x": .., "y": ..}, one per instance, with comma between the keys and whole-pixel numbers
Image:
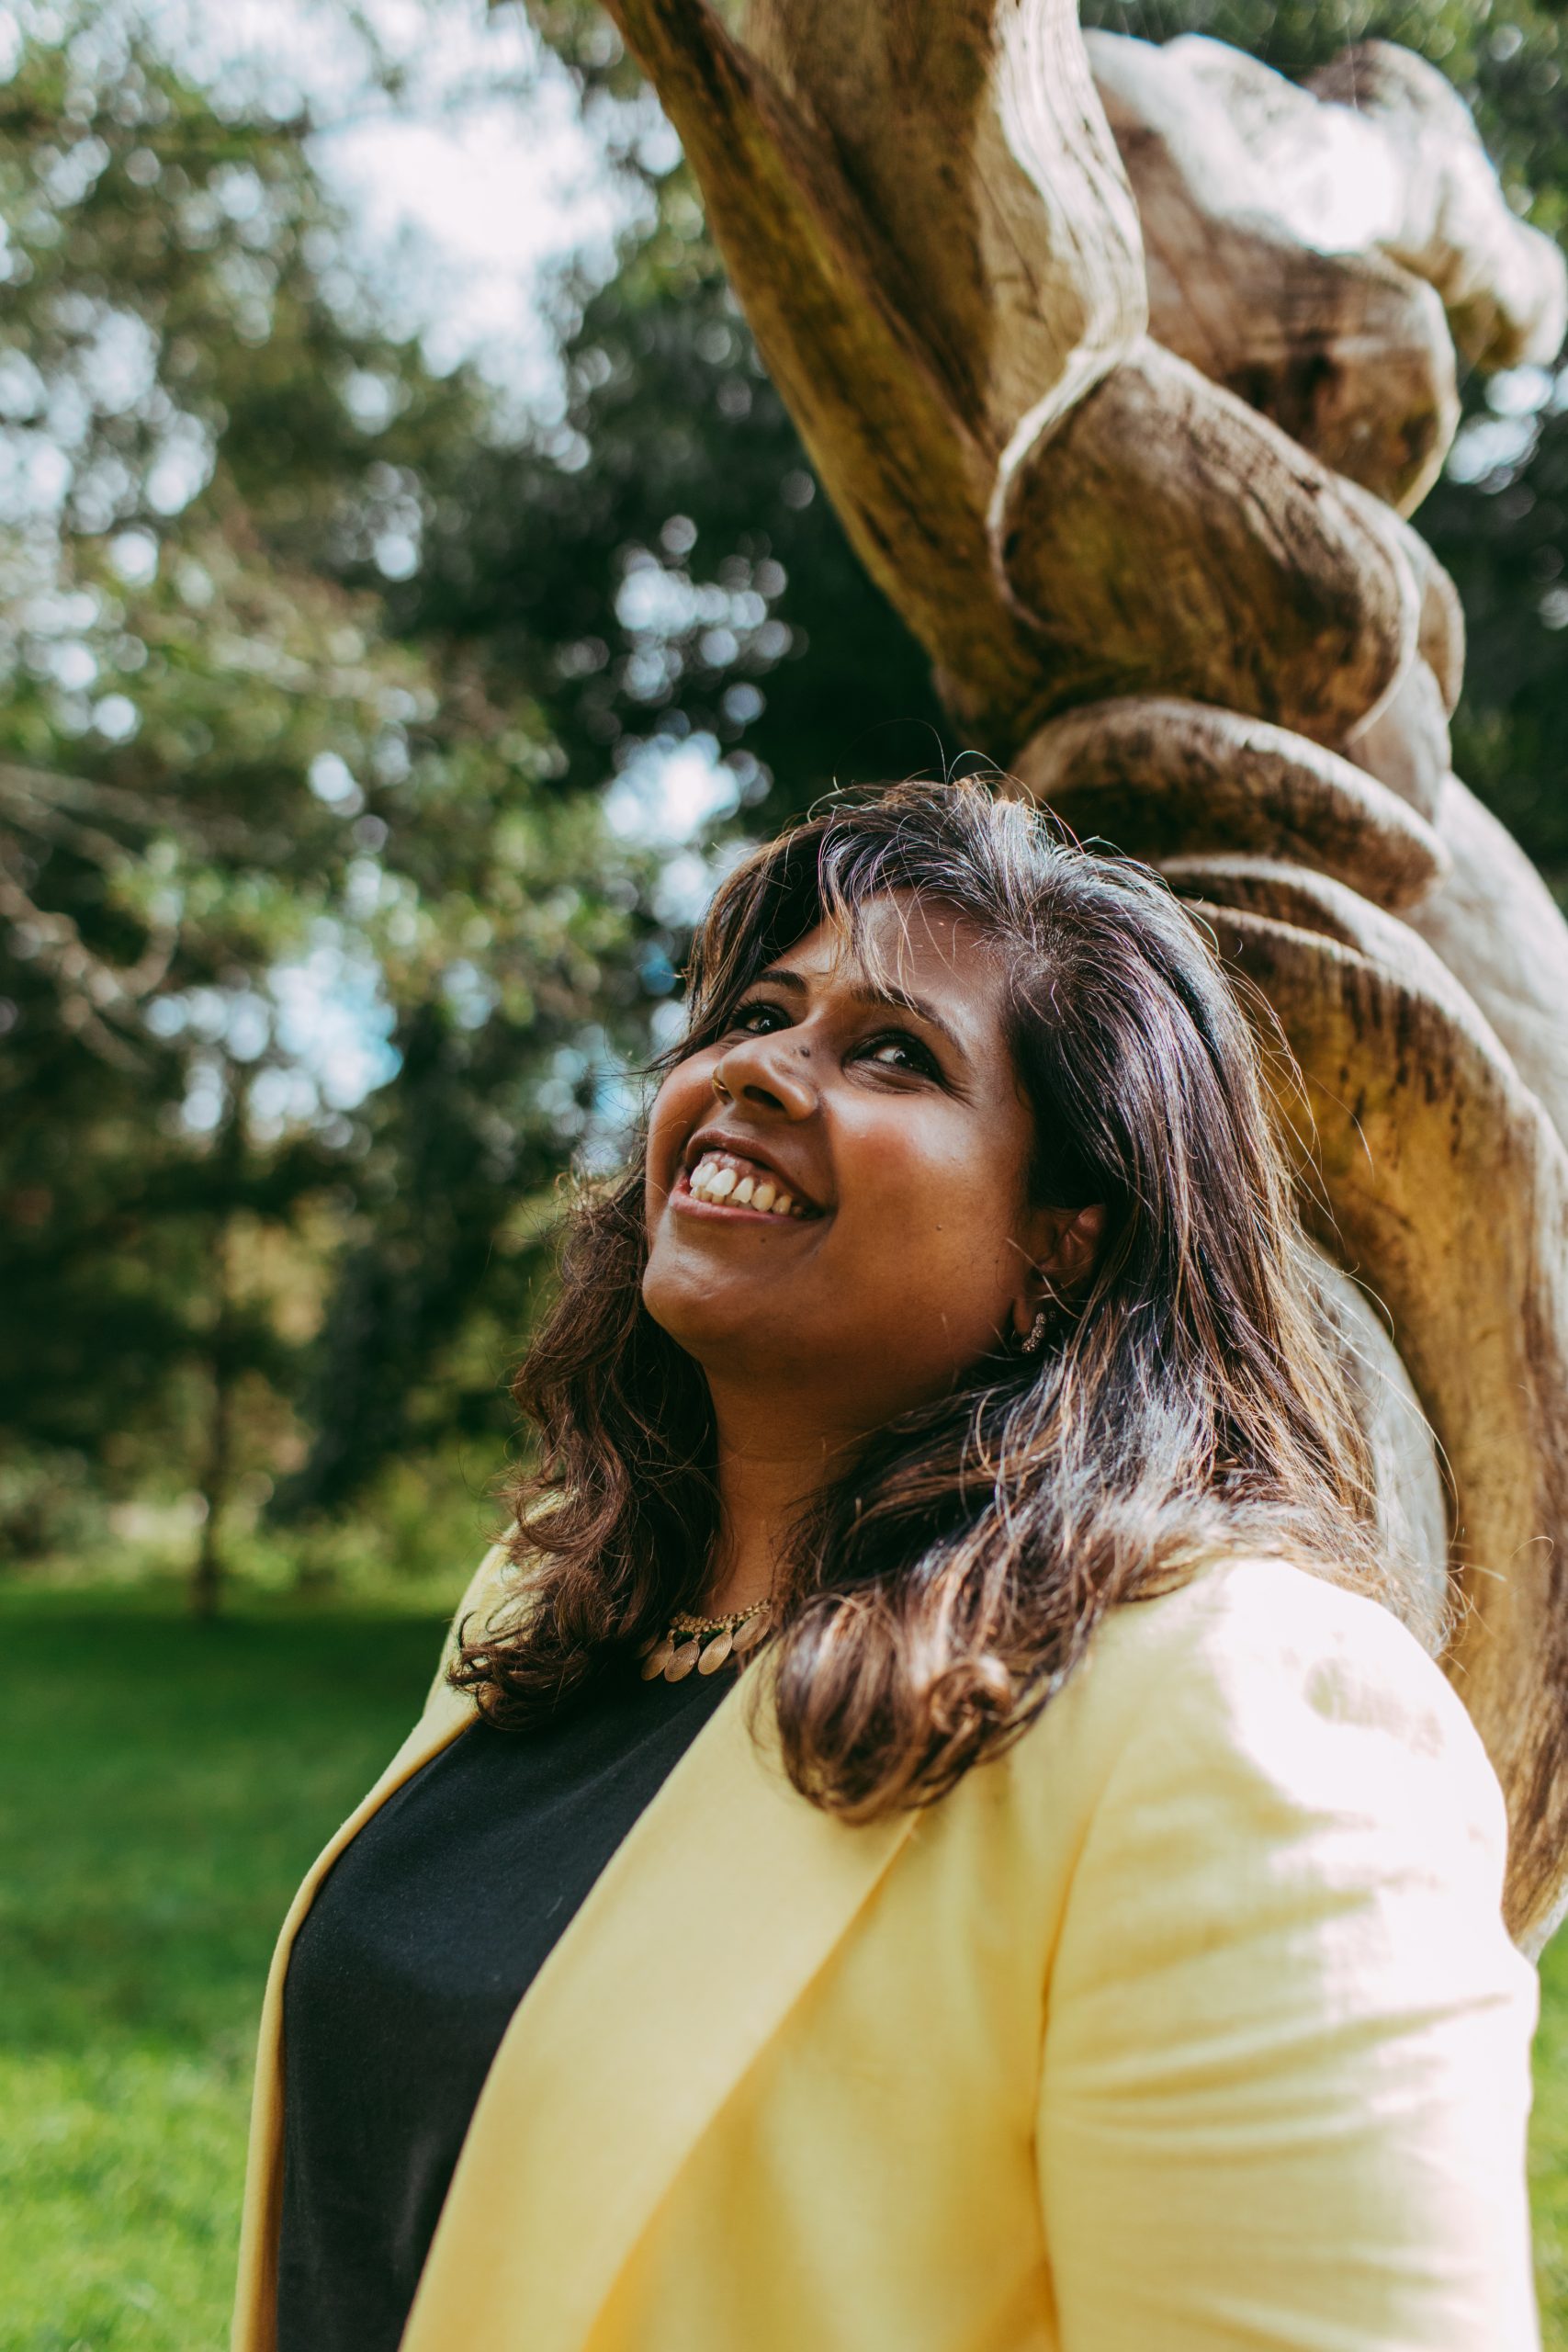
[{"x": 950, "y": 1362}]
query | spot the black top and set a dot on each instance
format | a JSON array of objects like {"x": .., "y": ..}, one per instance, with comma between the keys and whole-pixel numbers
[{"x": 422, "y": 1938}]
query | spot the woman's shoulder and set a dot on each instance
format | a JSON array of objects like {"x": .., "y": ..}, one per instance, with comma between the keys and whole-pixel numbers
[
  {"x": 1262, "y": 1695},
  {"x": 1281, "y": 1993},
  {"x": 1259, "y": 1687},
  {"x": 1240, "y": 1625}
]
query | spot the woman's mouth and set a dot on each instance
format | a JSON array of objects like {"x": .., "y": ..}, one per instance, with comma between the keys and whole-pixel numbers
[{"x": 727, "y": 1180}]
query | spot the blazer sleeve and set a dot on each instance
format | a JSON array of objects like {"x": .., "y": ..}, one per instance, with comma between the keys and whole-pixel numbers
[{"x": 1285, "y": 2079}]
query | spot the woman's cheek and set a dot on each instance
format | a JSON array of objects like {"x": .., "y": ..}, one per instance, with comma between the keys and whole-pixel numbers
[
  {"x": 954, "y": 1213},
  {"x": 901, "y": 1177},
  {"x": 676, "y": 1109}
]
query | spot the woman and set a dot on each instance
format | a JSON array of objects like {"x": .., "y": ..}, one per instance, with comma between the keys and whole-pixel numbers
[{"x": 1079, "y": 1925}]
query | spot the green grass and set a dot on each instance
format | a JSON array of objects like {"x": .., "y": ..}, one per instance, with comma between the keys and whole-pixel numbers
[
  {"x": 162, "y": 1786},
  {"x": 1548, "y": 2148}
]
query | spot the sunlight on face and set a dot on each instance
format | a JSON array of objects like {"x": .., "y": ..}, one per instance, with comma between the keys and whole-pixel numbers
[{"x": 874, "y": 1094}]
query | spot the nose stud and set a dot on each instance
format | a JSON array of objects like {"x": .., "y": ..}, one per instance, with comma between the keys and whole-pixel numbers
[{"x": 720, "y": 1088}]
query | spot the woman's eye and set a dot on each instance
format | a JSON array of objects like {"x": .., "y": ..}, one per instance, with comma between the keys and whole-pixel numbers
[
  {"x": 892, "y": 1050},
  {"x": 901, "y": 1053},
  {"x": 757, "y": 1020}
]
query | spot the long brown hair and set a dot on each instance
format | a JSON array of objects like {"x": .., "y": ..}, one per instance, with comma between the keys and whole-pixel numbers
[{"x": 1186, "y": 1404}]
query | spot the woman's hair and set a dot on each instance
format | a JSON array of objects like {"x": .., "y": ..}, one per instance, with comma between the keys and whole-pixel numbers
[{"x": 1185, "y": 1404}]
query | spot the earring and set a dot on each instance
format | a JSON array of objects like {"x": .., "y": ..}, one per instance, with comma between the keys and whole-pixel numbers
[{"x": 1035, "y": 1340}]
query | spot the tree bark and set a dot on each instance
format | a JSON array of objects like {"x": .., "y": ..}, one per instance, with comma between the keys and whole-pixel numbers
[
  {"x": 217, "y": 1476},
  {"x": 1144, "y": 516}
]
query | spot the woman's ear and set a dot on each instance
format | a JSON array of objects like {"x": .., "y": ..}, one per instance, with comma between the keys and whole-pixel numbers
[
  {"x": 1071, "y": 1260},
  {"x": 1063, "y": 1247}
]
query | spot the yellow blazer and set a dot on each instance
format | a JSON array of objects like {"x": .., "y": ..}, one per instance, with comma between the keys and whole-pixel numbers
[{"x": 1189, "y": 2026}]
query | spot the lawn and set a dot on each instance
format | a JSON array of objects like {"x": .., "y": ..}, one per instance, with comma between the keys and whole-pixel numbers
[{"x": 161, "y": 1787}]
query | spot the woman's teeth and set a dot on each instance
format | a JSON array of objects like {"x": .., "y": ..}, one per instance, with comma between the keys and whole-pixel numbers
[{"x": 712, "y": 1180}]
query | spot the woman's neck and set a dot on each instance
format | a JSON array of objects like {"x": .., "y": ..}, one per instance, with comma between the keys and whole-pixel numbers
[{"x": 769, "y": 1467}]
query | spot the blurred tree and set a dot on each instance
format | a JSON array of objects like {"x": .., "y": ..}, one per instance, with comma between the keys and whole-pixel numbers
[
  {"x": 654, "y": 570},
  {"x": 248, "y": 844}
]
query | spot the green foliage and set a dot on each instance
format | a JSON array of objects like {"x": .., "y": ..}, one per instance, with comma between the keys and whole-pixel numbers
[
  {"x": 348, "y": 689},
  {"x": 659, "y": 567},
  {"x": 220, "y": 773},
  {"x": 1548, "y": 2148}
]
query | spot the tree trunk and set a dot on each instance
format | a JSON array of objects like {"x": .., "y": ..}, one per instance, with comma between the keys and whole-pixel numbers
[
  {"x": 206, "y": 1573},
  {"x": 1122, "y": 393}
]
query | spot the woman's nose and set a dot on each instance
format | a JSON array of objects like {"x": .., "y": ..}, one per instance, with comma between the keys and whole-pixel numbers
[{"x": 768, "y": 1073}]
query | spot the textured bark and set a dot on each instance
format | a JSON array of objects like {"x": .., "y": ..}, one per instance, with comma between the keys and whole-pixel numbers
[
  {"x": 1440, "y": 639},
  {"x": 1404, "y": 744},
  {"x": 1145, "y": 524},
  {"x": 1440, "y": 636},
  {"x": 1165, "y": 536},
  {"x": 1344, "y": 350},
  {"x": 1412, "y": 1515},
  {"x": 1495, "y": 924},
  {"x": 892, "y": 333},
  {"x": 896, "y": 279},
  {"x": 1319, "y": 250},
  {"x": 1159, "y": 777},
  {"x": 1502, "y": 284},
  {"x": 1447, "y": 1192},
  {"x": 1014, "y": 234}
]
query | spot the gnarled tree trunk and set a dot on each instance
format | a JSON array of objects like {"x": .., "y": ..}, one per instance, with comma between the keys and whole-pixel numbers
[{"x": 1123, "y": 365}]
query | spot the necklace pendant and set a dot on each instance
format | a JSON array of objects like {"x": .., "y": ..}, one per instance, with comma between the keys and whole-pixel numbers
[
  {"x": 682, "y": 1661},
  {"x": 657, "y": 1658},
  {"x": 716, "y": 1652},
  {"x": 745, "y": 1636}
]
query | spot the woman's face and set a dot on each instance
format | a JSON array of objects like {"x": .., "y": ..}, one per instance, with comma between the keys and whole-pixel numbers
[{"x": 879, "y": 1099}]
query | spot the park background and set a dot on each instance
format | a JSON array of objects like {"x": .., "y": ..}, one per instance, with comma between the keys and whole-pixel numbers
[{"x": 412, "y": 597}]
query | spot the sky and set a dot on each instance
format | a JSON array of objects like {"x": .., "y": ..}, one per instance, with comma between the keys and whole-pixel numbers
[{"x": 466, "y": 192}]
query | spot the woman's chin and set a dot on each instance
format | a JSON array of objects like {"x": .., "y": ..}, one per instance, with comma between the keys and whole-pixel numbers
[{"x": 726, "y": 1316}]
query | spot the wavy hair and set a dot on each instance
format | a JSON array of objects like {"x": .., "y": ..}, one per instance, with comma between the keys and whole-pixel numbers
[{"x": 1186, "y": 1402}]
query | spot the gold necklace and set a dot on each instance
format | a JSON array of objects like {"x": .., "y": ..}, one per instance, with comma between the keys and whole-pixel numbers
[{"x": 706, "y": 1643}]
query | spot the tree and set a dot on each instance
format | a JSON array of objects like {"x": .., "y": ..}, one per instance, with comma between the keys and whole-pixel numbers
[
  {"x": 227, "y": 793},
  {"x": 1041, "y": 312},
  {"x": 1496, "y": 524}
]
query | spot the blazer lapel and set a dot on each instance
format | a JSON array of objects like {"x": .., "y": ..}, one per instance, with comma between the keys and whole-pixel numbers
[{"x": 702, "y": 1933}]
